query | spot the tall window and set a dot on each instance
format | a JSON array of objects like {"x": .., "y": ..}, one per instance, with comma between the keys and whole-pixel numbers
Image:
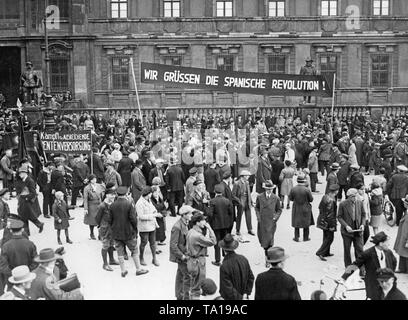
[
  {"x": 224, "y": 8},
  {"x": 276, "y": 8},
  {"x": 173, "y": 60},
  {"x": 63, "y": 6},
  {"x": 328, "y": 65},
  {"x": 171, "y": 8},
  {"x": 225, "y": 62},
  {"x": 119, "y": 8},
  {"x": 59, "y": 74},
  {"x": 120, "y": 73},
  {"x": 329, "y": 8},
  {"x": 9, "y": 9},
  {"x": 381, "y": 7},
  {"x": 380, "y": 70},
  {"x": 276, "y": 64}
]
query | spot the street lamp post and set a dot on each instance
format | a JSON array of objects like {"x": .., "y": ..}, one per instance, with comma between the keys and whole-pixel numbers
[{"x": 47, "y": 53}]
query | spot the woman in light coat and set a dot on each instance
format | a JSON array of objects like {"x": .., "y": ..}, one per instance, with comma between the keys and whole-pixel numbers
[
  {"x": 352, "y": 153},
  {"x": 147, "y": 224}
]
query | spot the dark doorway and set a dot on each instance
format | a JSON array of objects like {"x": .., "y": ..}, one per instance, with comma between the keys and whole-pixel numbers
[{"x": 10, "y": 74}]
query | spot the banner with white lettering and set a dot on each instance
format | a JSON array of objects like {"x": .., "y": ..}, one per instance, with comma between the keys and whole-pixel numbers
[
  {"x": 267, "y": 84},
  {"x": 73, "y": 142}
]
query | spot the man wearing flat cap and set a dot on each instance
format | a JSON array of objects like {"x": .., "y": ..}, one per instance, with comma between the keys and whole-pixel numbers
[
  {"x": 378, "y": 256},
  {"x": 197, "y": 244},
  {"x": 242, "y": 191},
  {"x": 397, "y": 189},
  {"x": 17, "y": 251},
  {"x": 178, "y": 252},
  {"x": 352, "y": 217},
  {"x": 332, "y": 176},
  {"x": 276, "y": 284},
  {"x": 327, "y": 221},
  {"x": 236, "y": 277},
  {"x": 388, "y": 283},
  {"x": 220, "y": 217}
]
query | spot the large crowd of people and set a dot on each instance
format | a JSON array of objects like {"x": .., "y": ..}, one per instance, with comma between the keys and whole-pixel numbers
[{"x": 137, "y": 175}]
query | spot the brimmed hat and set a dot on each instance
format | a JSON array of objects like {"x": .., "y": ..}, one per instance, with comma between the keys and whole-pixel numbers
[
  {"x": 379, "y": 237},
  {"x": 385, "y": 273},
  {"x": 4, "y": 191},
  {"x": 402, "y": 168},
  {"x": 276, "y": 254},
  {"x": 193, "y": 170},
  {"x": 309, "y": 59},
  {"x": 197, "y": 182},
  {"x": 21, "y": 274},
  {"x": 46, "y": 255},
  {"x": 23, "y": 169},
  {"x": 110, "y": 162},
  {"x": 355, "y": 166},
  {"x": 268, "y": 185},
  {"x": 122, "y": 190},
  {"x": 110, "y": 191},
  {"x": 146, "y": 190},
  {"x": 351, "y": 192},
  {"x": 245, "y": 173},
  {"x": 228, "y": 243},
  {"x": 335, "y": 166},
  {"x": 91, "y": 177}
]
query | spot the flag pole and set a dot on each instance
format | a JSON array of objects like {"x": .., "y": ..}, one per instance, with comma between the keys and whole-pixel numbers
[
  {"x": 332, "y": 110},
  {"x": 136, "y": 90}
]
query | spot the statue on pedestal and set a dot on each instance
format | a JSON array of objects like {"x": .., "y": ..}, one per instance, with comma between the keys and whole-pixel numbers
[
  {"x": 308, "y": 70},
  {"x": 29, "y": 83}
]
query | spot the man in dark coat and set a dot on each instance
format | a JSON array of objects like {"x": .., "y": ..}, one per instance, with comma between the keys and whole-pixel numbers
[
  {"x": 98, "y": 169},
  {"x": 79, "y": 178},
  {"x": 359, "y": 142},
  {"x": 58, "y": 181},
  {"x": 28, "y": 205},
  {"x": 356, "y": 177},
  {"x": 327, "y": 221},
  {"x": 148, "y": 164},
  {"x": 125, "y": 168},
  {"x": 302, "y": 216},
  {"x": 220, "y": 219},
  {"x": 123, "y": 221},
  {"x": 268, "y": 211},
  {"x": 44, "y": 182},
  {"x": 211, "y": 178},
  {"x": 17, "y": 251},
  {"x": 242, "y": 191},
  {"x": 378, "y": 256},
  {"x": 332, "y": 177},
  {"x": 352, "y": 217},
  {"x": 397, "y": 189},
  {"x": 227, "y": 193},
  {"x": 343, "y": 175},
  {"x": 236, "y": 277},
  {"x": 174, "y": 177},
  {"x": 264, "y": 170},
  {"x": 178, "y": 252},
  {"x": 8, "y": 172},
  {"x": 388, "y": 283},
  {"x": 277, "y": 167},
  {"x": 275, "y": 284}
]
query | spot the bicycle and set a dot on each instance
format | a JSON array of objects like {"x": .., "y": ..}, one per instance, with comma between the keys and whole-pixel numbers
[{"x": 336, "y": 292}]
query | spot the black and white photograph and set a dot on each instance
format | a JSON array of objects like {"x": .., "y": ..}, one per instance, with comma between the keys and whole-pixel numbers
[{"x": 203, "y": 150}]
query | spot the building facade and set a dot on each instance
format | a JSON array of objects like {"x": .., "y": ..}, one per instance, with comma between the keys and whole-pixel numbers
[{"x": 95, "y": 43}]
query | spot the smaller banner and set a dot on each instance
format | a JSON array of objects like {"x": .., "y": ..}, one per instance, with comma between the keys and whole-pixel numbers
[
  {"x": 67, "y": 142},
  {"x": 266, "y": 84}
]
